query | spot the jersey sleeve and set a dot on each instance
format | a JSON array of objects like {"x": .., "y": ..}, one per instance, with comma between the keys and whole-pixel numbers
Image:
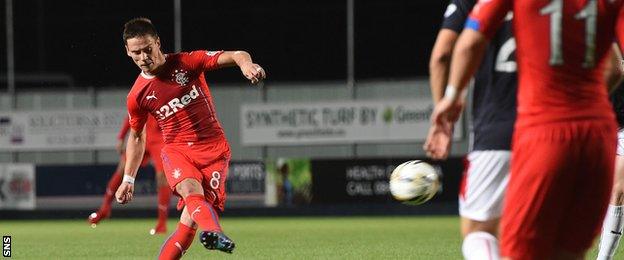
[
  {"x": 456, "y": 13},
  {"x": 205, "y": 60},
  {"x": 125, "y": 126},
  {"x": 137, "y": 117},
  {"x": 488, "y": 15}
]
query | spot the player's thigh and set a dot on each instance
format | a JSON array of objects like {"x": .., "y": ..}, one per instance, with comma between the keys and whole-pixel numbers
[
  {"x": 214, "y": 181},
  {"x": 177, "y": 166},
  {"x": 538, "y": 194},
  {"x": 484, "y": 184},
  {"x": 594, "y": 169}
]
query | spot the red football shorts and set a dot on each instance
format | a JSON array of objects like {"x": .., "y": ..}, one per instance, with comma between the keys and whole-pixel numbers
[
  {"x": 207, "y": 163},
  {"x": 559, "y": 190}
]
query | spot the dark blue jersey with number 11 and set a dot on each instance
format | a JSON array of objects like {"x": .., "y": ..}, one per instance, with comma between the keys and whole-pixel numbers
[{"x": 495, "y": 83}]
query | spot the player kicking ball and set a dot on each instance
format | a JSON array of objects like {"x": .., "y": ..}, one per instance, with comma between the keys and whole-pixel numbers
[{"x": 196, "y": 155}]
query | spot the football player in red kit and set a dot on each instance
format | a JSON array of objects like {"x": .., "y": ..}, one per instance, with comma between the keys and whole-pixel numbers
[
  {"x": 565, "y": 134},
  {"x": 196, "y": 155},
  {"x": 153, "y": 147}
]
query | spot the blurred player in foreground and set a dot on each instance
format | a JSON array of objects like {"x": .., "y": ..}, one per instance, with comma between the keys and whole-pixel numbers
[
  {"x": 564, "y": 137},
  {"x": 196, "y": 155},
  {"x": 493, "y": 114},
  {"x": 153, "y": 147}
]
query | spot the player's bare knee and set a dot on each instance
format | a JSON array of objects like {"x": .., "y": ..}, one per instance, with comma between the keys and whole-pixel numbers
[
  {"x": 188, "y": 187},
  {"x": 489, "y": 226},
  {"x": 617, "y": 196}
]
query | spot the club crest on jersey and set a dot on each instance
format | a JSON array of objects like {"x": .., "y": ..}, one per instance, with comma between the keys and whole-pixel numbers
[
  {"x": 179, "y": 76},
  {"x": 176, "y": 104},
  {"x": 176, "y": 173}
]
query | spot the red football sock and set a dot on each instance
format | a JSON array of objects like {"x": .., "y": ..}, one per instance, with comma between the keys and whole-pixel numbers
[
  {"x": 202, "y": 213},
  {"x": 111, "y": 188},
  {"x": 164, "y": 196},
  {"x": 178, "y": 242}
]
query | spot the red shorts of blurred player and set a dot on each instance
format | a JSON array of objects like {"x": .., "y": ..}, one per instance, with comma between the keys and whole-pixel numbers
[
  {"x": 207, "y": 163},
  {"x": 561, "y": 177}
]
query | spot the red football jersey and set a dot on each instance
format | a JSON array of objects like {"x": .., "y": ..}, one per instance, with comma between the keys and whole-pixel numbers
[
  {"x": 562, "y": 46},
  {"x": 178, "y": 98},
  {"x": 152, "y": 130}
]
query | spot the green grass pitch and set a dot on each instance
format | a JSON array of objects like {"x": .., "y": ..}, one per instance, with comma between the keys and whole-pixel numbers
[{"x": 256, "y": 238}]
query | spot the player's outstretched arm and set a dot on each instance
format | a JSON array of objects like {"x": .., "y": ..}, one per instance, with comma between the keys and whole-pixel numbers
[
  {"x": 439, "y": 137},
  {"x": 440, "y": 62},
  {"x": 135, "y": 148},
  {"x": 467, "y": 55},
  {"x": 252, "y": 71}
]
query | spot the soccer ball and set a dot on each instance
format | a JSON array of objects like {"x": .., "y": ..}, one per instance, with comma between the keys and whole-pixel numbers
[{"x": 414, "y": 182}]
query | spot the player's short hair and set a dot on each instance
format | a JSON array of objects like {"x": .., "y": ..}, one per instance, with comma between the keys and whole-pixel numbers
[{"x": 138, "y": 27}]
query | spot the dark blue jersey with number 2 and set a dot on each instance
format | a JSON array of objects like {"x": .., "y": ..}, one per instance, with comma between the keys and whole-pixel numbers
[{"x": 495, "y": 83}]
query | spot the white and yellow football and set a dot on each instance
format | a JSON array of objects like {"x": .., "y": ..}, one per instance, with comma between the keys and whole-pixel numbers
[{"x": 414, "y": 182}]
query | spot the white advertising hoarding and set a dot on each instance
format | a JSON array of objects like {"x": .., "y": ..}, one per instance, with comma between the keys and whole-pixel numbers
[
  {"x": 17, "y": 186},
  {"x": 337, "y": 122},
  {"x": 60, "y": 130}
]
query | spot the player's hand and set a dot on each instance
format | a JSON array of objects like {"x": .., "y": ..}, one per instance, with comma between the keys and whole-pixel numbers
[
  {"x": 124, "y": 193},
  {"x": 444, "y": 116},
  {"x": 253, "y": 72},
  {"x": 438, "y": 143},
  {"x": 447, "y": 110},
  {"x": 119, "y": 147}
]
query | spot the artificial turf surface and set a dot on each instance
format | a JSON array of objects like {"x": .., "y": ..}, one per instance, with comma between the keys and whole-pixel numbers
[{"x": 256, "y": 238}]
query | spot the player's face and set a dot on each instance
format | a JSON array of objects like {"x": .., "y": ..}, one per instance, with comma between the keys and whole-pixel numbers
[{"x": 145, "y": 52}]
